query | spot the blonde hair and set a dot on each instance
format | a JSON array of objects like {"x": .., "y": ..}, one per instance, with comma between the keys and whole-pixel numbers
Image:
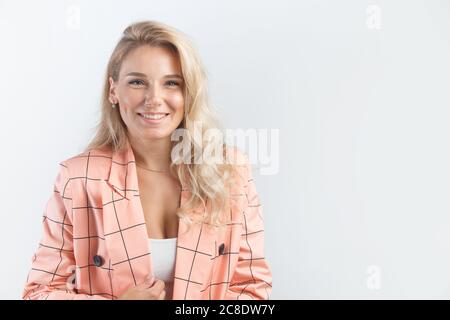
[{"x": 208, "y": 183}]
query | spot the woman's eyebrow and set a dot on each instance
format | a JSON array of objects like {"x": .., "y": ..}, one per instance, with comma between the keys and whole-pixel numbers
[{"x": 139, "y": 74}]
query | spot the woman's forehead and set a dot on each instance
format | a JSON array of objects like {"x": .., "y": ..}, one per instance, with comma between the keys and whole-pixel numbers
[{"x": 152, "y": 61}]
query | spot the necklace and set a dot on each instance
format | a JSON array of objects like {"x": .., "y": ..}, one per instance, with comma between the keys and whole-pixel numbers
[{"x": 160, "y": 171}]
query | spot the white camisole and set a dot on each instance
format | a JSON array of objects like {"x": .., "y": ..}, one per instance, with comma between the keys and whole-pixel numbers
[{"x": 163, "y": 253}]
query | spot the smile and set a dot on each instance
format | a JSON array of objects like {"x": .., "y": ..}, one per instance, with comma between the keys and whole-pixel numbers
[{"x": 153, "y": 117}]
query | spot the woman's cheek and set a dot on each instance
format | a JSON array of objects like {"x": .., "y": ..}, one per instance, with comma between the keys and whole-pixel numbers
[
  {"x": 177, "y": 101},
  {"x": 130, "y": 101},
  {"x": 131, "y": 97}
]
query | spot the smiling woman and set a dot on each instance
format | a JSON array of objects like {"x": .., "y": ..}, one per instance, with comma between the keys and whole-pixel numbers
[
  {"x": 128, "y": 219},
  {"x": 151, "y": 101}
]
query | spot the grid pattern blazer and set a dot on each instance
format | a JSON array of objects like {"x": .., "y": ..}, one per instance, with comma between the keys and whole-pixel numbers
[{"x": 94, "y": 242}]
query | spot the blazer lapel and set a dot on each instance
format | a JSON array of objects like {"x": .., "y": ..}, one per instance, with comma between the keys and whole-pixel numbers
[
  {"x": 127, "y": 239},
  {"x": 194, "y": 258},
  {"x": 124, "y": 224}
]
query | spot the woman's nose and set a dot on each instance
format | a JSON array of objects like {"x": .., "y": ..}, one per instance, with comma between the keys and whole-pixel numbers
[
  {"x": 152, "y": 91},
  {"x": 152, "y": 95}
]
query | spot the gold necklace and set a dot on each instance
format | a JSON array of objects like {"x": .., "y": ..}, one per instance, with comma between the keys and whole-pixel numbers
[{"x": 160, "y": 171}]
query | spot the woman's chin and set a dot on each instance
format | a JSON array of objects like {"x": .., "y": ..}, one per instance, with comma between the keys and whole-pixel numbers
[{"x": 155, "y": 135}]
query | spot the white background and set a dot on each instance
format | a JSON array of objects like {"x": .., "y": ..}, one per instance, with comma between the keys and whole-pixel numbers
[{"x": 363, "y": 115}]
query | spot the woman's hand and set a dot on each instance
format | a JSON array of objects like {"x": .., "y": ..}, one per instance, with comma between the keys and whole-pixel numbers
[{"x": 150, "y": 289}]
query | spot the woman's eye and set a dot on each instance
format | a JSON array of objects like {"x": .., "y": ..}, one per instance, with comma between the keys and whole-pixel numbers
[
  {"x": 136, "y": 82},
  {"x": 172, "y": 83}
]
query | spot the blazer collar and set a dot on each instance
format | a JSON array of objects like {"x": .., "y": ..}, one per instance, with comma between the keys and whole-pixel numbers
[{"x": 122, "y": 175}]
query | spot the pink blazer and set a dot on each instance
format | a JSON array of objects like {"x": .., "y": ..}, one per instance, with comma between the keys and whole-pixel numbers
[{"x": 95, "y": 245}]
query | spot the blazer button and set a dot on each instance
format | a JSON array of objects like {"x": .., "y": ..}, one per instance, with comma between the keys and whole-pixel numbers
[
  {"x": 98, "y": 260},
  {"x": 221, "y": 248}
]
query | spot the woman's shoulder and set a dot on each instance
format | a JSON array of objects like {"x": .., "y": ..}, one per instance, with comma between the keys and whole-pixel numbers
[
  {"x": 94, "y": 160},
  {"x": 236, "y": 157},
  {"x": 239, "y": 160}
]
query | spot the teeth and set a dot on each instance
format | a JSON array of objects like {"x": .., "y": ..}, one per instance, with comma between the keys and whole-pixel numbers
[{"x": 153, "y": 116}]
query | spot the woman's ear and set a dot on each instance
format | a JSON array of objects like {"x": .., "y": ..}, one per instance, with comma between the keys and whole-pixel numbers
[{"x": 112, "y": 91}]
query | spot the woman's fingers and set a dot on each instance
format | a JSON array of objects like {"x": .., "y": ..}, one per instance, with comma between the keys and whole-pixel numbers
[
  {"x": 147, "y": 283},
  {"x": 150, "y": 279},
  {"x": 159, "y": 285},
  {"x": 150, "y": 289},
  {"x": 156, "y": 290}
]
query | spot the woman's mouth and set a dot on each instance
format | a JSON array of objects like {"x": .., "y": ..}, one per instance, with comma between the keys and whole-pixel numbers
[{"x": 153, "y": 117}]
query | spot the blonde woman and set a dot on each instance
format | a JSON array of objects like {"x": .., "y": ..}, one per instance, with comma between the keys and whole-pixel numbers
[{"x": 130, "y": 218}]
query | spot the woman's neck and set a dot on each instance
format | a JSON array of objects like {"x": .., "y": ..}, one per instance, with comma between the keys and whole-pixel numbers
[{"x": 152, "y": 154}]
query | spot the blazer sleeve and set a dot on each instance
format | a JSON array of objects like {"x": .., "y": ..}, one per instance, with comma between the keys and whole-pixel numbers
[
  {"x": 252, "y": 278},
  {"x": 53, "y": 264}
]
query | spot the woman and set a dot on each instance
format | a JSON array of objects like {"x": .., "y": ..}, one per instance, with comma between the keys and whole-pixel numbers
[{"x": 132, "y": 219}]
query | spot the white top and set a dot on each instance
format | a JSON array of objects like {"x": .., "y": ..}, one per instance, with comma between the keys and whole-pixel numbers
[{"x": 163, "y": 253}]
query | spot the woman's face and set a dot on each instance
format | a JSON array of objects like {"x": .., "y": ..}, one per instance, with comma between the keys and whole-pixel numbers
[{"x": 150, "y": 82}]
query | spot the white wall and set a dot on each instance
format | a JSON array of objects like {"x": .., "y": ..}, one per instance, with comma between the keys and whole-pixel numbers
[{"x": 362, "y": 113}]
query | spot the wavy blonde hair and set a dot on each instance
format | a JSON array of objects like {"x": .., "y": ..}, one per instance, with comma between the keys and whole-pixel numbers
[{"x": 209, "y": 184}]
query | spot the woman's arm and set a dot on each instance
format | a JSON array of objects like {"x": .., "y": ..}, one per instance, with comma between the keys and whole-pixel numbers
[
  {"x": 252, "y": 278},
  {"x": 53, "y": 263}
]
